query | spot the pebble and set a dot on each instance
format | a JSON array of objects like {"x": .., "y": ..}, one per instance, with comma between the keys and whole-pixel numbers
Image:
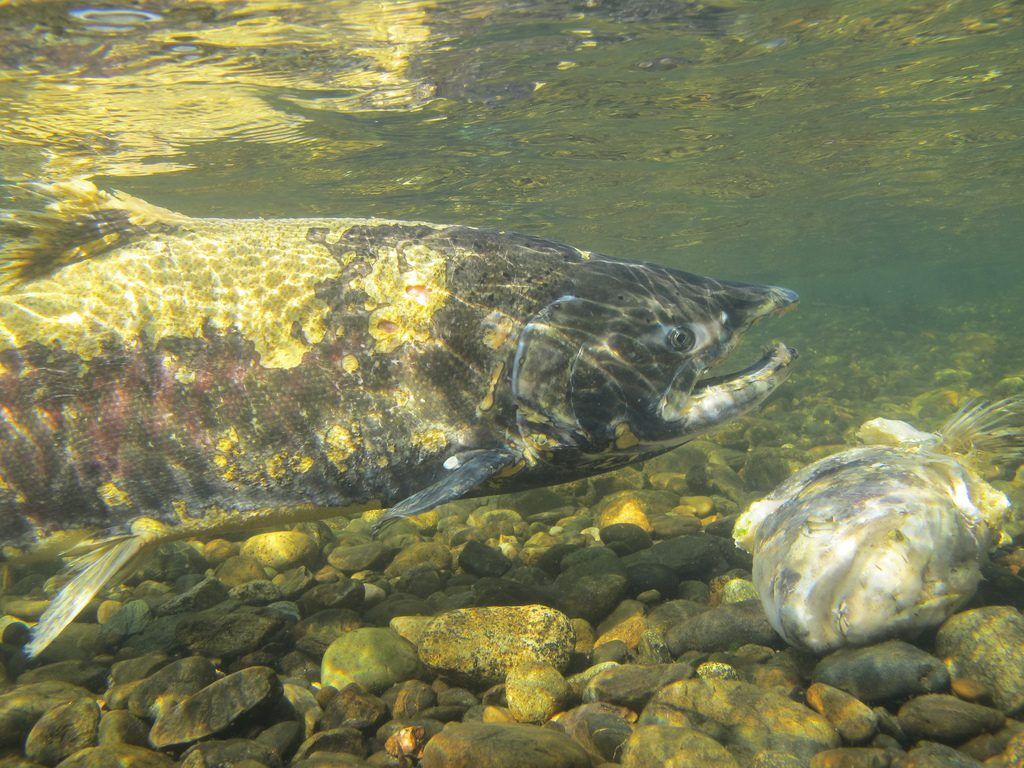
[
  {"x": 22, "y": 706},
  {"x": 117, "y": 756},
  {"x": 239, "y": 569},
  {"x": 626, "y": 508},
  {"x": 853, "y": 757},
  {"x": 85, "y": 674},
  {"x": 230, "y": 753},
  {"x": 205, "y": 594},
  {"x": 216, "y": 707},
  {"x": 535, "y": 691},
  {"x": 482, "y": 560},
  {"x": 217, "y": 634},
  {"x": 632, "y": 685},
  {"x": 478, "y": 646},
  {"x": 169, "y": 685},
  {"x": 351, "y": 559},
  {"x": 374, "y": 657},
  {"x": 119, "y": 726},
  {"x": 722, "y": 628},
  {"x": 591, "y": 589},
  {"x": 625, "y": 538},
  {"x": 430, "y": 553},
  {"x": 945, "y": 718},
  {"x": 352, "y": 707},
  {"x": 281, "y": 550},
  {"x": 745, "y": 718},
  {"x": 690, "y": 557},
  {"x": 987, "y": 645},
  {"x": 931, "y": 755},
  {"x": 62, "y": 731},
  {"x": 884, "y": 672},
  {"x": 333, "y": 740},
  {"x": 854, "y": 720},
  {"x": 492, "y": 745},
  {"x": 669, "y": 746},
  {"x": 600, "y": 728}
]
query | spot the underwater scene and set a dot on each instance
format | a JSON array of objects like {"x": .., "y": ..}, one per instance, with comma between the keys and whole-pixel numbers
[{"x": 511, "y": 384}]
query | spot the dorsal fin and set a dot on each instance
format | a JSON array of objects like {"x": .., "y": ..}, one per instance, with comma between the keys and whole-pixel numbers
[
  {"x": 78, "y": 222},
  {"x": 993, "y": 428}
]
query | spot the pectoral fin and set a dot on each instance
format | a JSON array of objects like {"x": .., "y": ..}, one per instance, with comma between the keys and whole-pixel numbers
[
  {"x": 98, "y": 564},
  {"x": 465, "y": 472}
]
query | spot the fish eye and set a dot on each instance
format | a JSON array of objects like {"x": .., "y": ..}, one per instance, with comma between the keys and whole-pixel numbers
[{"x": 681, "y": 338}]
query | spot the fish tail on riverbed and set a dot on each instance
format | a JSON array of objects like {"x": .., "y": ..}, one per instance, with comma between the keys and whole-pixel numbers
[{"x": 97, "y": 563}]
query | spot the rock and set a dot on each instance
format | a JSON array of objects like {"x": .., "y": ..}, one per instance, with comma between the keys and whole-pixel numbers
[
  {"x": 853, "y": 719},
  {"x": 137, "y": 668},
  {"x": 987, "y": 644},
  {"x": 373, "y": 657},
  {"x": 668, "y": 746},
  {"x": 293, "y": 582},
  {"x": 216, "y": 707},
  {"x": 487, "y": 745},
  {"x": 644, "y": 576},
  {"x": 599, "y": 728},
  {"x": 628, "y": 508},
  {"x": 352, "y": 707},
  {"x": 852, "y": 757},
  {"x": 169, "y": 685},
  {"x": 478, "y": 646},
  {"x": 535, "y": 691},
  {"x": 771, "y": 758},
  {"x": 230, "y": 753},
  {"x": 62, "y": 731},
  {"x": 206, "y": 594},
  {"x": 239, "y": 569},
  {"x": 689, "y": 557},
  {"x": 281, "y": 550},
  {"x": 591, "y": 589},
  {"x": 117, "y": 756},
  {"x": 481, "y": 560},
  {"x": 84, "y": 674},
  {"x": 633, "y": 685},
  {"x": 314, "y": 633},
  {"x": 931, "y": 755},
  {"x": 226, "y": 635},
  {"x": 122, "y": 727},
  {"x": 343, "y": 593},
  {"x": 945, "y": 718},
  {"x": 330, "y": 760},
  {"x": 343, "y": 740},
  {"x": 421, "y": 553},
  {"x": 282, "y": 737},
  {"x": 351, "y": 559},
  {"x": 744, "y": 718},
  {"x": 21, "y": 707},
  {"x": 883, "y": 672},
  {"x": 410, "y": 698},
  {"x": 258, "y": 592},
  {"x": 722, "y": 628},
  {"x": 625, "y": 538}
]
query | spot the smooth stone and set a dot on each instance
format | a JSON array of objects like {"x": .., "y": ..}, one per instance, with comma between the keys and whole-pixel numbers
[
  {"x": 625, "y": 538},
  {"x": 690, "y": 557},
  {"x": 599, "y": 728},
  {"x": 722, "y": 628},
  {"x": 481, "y": 560},
  {"x": 314, "y": 633},
  {"x": 119, "y": 726},
  {"x": 344, "y": 740},
  {"x": 281, "y": 550},
  {"x": 421, "y": 553},
  {"x": 117, "y": 756},
  {"x": 343, "y": 593},
  {"x": 138, "y": 668},
  {"x": 633, "y": 685},
  {"x": 216, "y": 707},
  {"x": 374, "y": 657},
  {"x": 641, "y": 577},
  {"x": 62, "y": 731},
  {"x": 987, "y": 644},
  {"x": 590, "y": 590},
  {"x": 22, "y": 706},
  {"x": 932, "y": 755},
  {"x": 492, "y": 745},
  {"x": 668, "y": 746},
  {"x": 744, "y": 718},
  {"x": 628, "y": 508},
  {"x": 206, "y": 594},
  {"x": 408, "y": 699},
  {"x": 535, "y": 691},
  {"x": 853, "y": 718},
  {"x": 352, "y": 707},
  {"x": 883, "y": 672},
  {"x": 852, "y": 757},
  {"x": 947, "y": 719},
  {"x": 351, "y": 559},
  {"x": 169, "y": 685},
  {"x": 85, "y": 674},
  {"x": 238, "y": 570},
  {"x": 478, "y": 646},
  {"x": 230, "y": 753},
  {"x": 259, "y": 592},
  {"x": 226, "y": 635},
  {"x": 283, "y": 737},
  {"x": 331, "y": 760}
]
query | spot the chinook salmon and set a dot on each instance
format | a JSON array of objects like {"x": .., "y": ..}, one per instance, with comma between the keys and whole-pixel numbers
[{"x": 164, "y": 377}]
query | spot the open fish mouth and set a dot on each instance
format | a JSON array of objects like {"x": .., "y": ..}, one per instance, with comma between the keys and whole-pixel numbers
[{"x": 716, "y": 399}]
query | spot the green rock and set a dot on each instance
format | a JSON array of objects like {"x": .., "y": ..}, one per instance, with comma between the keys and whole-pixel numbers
[
  {"x": 373, "y": 657},
  {"x": 117, "y": 756},
  {"x": 987, "y": 645},
  {"x": 668, "y": 746},
  {"x": 122, "y": 727},
  {"x": 225, "y": 635},
  {"x": 281, "y": 550},
  {"x": 21, "y": 707},
  {"x": 86, "y": 674},
  {"x": 169, "y": 685},
  {"x": 486, "y": 745},
  {"x": 478, "y": 646},
  {"x": 883, "y": 672},
  {"x": 944, "y": 718},
  {"x": 62, "y": 731},
  {"x": 216, "y": 707},
  {"x": 535, "y": 691}
]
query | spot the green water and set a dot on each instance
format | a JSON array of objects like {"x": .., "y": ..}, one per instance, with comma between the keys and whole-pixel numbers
[{"x": 866, "y": 154}]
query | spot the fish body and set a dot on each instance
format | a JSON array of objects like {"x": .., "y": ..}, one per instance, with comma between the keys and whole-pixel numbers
[
  {"x": 878, "y": 541},
  {"x": 164, "y": 377}
]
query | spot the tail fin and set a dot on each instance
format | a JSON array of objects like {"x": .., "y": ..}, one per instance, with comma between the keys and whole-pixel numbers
[
  {"x": 992, "y": 428},
  {"x": 100, "y": 563},
  {"x": 77, "y": 222}
]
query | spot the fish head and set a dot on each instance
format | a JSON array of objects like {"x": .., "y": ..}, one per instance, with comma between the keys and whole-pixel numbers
[{"x": 619, "y": 361}]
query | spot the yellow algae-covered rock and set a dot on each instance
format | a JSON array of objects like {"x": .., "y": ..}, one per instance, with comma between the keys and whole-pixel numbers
[
  {"x": 373, "y": 657},
  {"x": 624, "y": 507},
  {"x": 281, "y": 550},
  {"x": 478, "y": 646},
  {"x": 535, "y": 691}
]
